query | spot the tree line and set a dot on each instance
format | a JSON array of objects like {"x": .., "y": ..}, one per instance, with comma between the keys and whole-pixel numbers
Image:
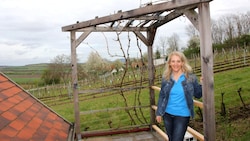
[
  {"x": 59, "y": 70},
  {"x": 229, "y": 31}
]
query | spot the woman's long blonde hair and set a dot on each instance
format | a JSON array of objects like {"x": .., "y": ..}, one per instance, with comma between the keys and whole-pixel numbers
[{"x": 186, "y": 68}]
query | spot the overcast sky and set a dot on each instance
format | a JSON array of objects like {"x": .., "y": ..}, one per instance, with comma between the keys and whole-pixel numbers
[{"x": 30, "y": 30}]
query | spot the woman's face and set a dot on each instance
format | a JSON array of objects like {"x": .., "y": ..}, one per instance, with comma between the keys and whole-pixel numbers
[{"x": 176, "y": 63}]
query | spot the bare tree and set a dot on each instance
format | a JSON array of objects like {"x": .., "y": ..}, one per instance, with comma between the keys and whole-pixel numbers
[
  {"x": 162, "y": 45},
  {"x": 245, "y": 22},
  {"x": 242, "y": 23},
  {"x": 58, "y": 70},
  {"x": 228, "y": 25},
  {"x": 96, "y": 65},
  {"x": 191, "y": 31},
  {"x": 173, "y": 43},
  {"x": 62, "y": 65},
  {"x": 217, "y": 32},
  {"x": 194, "y": 42},
  {"x": 238, "y": 25}
]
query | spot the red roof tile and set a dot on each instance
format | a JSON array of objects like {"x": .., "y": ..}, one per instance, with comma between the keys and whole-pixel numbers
[{"x": 23, "y": 117}]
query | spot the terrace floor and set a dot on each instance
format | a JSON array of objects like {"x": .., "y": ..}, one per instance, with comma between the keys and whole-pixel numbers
[{"x": 138, "y": 136}]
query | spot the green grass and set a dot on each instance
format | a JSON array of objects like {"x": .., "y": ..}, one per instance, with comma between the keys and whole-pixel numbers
[
  {"x": 25, "y": 75},
  {"x": 238, "y": 130},
  {"x": 28, "y": 80},
  {"x": 227, "y": 82},
  {"x": 100, "y": 120}
]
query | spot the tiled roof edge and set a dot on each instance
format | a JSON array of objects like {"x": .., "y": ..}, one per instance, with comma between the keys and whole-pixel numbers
[{"x": 35, "y": 98}]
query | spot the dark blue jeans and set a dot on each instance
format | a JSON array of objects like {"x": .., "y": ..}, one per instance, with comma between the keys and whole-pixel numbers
[{"x": 176, "y": 126}]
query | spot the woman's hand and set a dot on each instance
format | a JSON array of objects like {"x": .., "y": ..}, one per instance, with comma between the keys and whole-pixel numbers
[
  {"x": 158, "y": 119},
  {"x": 201, "y": 79}
]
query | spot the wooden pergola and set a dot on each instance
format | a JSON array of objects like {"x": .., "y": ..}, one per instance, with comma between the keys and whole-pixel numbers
[{"x": 148, "y": 19}]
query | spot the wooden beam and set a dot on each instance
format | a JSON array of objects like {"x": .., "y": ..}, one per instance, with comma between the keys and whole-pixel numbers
[
  {"x": 147, "y": 21},
  {"x": 158, "y": 130},
  {"x": 75, "y": 84},
  {"x": 81, "y": 38},
  {"x": 207, "y": 72},
  {"x": 156, "y": 88},
  {"x": 142, "y": 37},
  {"x": 196, "y": 134},
  {"x": 166, "y": 6},
  {"x": 154, "y": 107},
  {"x": 151, "y": 71},
  {"x": 112, "y": 24},
  {"x": 112, "y": 109},
  {"x": 198, "y": 104},
  {"x": 173, "y": 15},
  {"x": 129, "y": 23},
  {"x": 193, "y": 17},
  {"x": 148, "y": 17},
  {"x": 151, "y": 37},
  {"x": 111, "y": 29}
]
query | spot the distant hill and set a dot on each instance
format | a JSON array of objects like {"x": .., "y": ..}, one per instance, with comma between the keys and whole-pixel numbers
[{"x": 27, "y": 69}]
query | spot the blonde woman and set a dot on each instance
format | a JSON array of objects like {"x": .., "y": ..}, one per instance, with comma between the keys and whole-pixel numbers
[{"x": 179, "y": 86}]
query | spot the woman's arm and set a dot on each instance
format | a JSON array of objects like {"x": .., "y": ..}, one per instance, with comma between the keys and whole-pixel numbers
[{"x": 197, "y": 88}]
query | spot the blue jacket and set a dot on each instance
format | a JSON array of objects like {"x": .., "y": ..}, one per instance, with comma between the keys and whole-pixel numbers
[{"x": 191, "y": 89}]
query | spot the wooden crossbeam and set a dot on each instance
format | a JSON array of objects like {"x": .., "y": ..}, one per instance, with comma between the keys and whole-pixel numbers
[{"x": 166, "y": 6}]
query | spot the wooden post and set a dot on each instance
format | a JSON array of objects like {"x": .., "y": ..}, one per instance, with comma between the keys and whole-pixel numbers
[
  {"x": 207, "y": 71},
  {"x": 75, "y": 84},
  {"x": 151, "y": 68},
  {"x": 151, "y": 71}
]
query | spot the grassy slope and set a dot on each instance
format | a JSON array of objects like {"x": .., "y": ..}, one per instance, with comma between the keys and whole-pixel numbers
[
  {"x": 25, "y": 75},
  {"x": 228, "y": 127},
  {"x": 235, "y": 126},
  {"x": 227, "y": 82}
]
